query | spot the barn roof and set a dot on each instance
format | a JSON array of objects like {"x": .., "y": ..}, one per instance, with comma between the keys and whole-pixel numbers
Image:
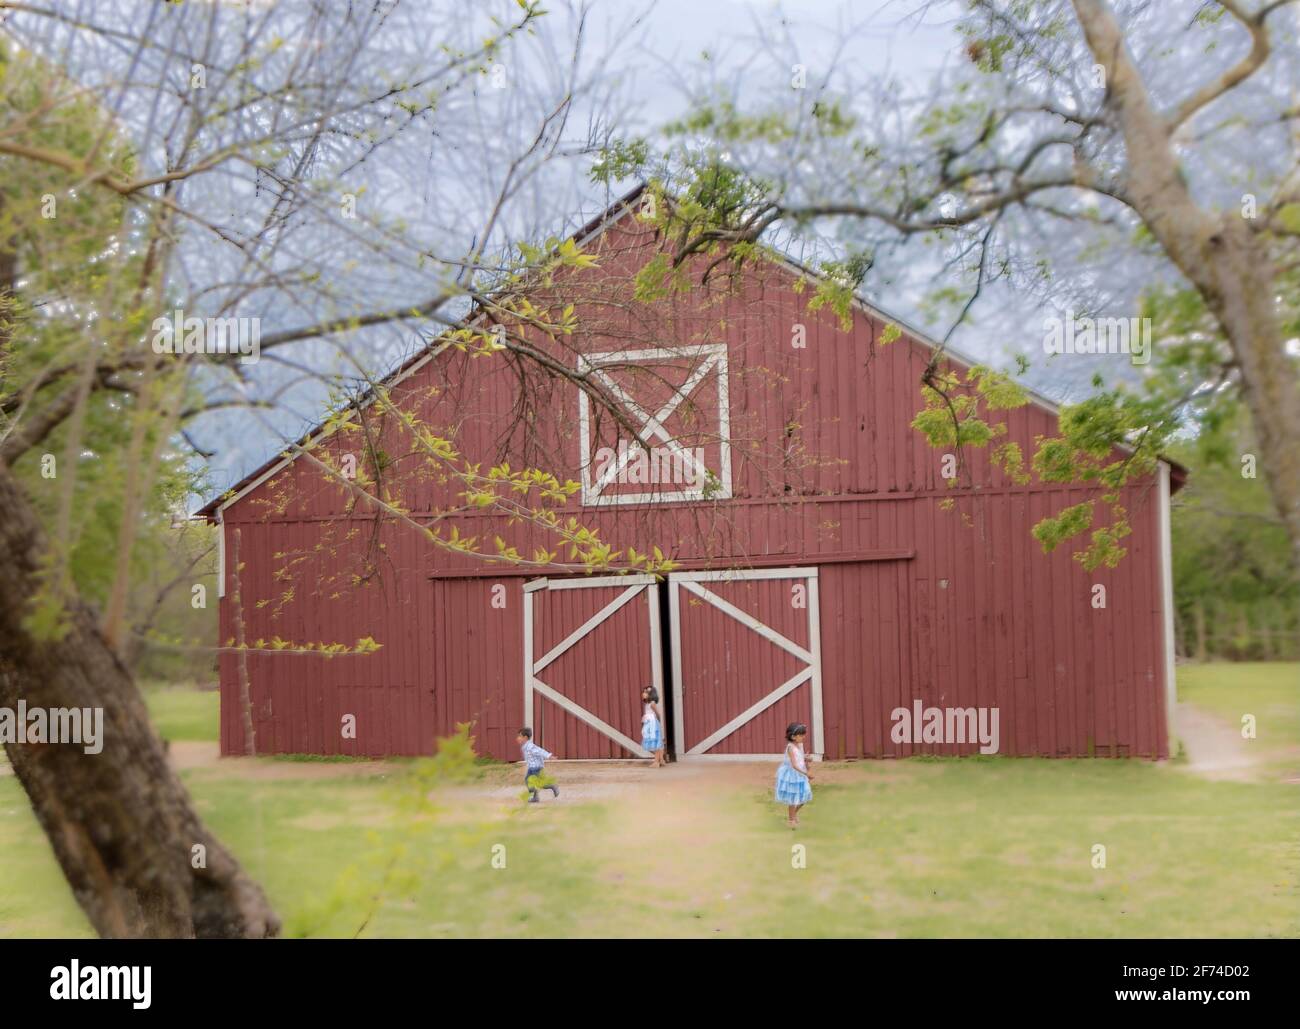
[{"x": 592, "y": 230}]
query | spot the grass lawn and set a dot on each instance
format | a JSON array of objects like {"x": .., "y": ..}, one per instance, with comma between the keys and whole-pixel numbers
[
  {"x": 184, "y": 714},
  {"x": 923, "y": 847}
]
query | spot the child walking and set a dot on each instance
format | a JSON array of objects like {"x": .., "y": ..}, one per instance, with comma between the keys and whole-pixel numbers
[
  {"x": 793, "y": 787},
  {"x": 652, "y": 731},
  {"x": 534, "y": 758}
]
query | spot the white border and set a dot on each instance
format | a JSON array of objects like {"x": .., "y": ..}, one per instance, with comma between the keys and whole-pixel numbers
[
  {"x": 1166, "y": 563},
  {"x": 728, "y": 574},
  {"x": 714, "y": 360},
  {"x": 221, "y": 555}
]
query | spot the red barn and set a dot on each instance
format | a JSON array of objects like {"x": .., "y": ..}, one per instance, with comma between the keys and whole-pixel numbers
[{"x": 820, "y": 576}]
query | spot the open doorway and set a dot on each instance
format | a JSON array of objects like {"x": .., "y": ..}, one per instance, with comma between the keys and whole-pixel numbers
[{"x": 668, "y": 691}]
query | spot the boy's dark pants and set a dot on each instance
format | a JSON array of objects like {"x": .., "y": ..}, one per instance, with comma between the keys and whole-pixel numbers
[{"x": 528, "y": 774}]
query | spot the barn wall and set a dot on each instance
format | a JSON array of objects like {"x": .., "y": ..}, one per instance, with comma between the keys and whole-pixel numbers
[
  {"x": 1012, "y": 628},
  {"x": 447, "y": 654},
  {"x": 826, "y": 466}
]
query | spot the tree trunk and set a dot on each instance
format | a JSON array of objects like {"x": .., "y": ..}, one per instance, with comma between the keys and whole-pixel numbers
[
  {"x": 121, "y": 824},
  {"x": 1219, "y": 254},
  {"x": 1238, "y": 285}
]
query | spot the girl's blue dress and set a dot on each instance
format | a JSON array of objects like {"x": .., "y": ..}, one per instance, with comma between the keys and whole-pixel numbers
[
  {"x": 792, "y": 786},
  {"x": 652, "y": 737}
]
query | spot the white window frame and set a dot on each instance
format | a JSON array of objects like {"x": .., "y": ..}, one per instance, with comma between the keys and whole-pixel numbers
[{"x": 714, "y": 357}]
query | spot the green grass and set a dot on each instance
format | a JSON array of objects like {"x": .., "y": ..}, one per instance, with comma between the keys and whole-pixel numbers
[
  {"x": 1005, "y": 848},
  {"x": 989, "y": 847},
  {"x": 185, "y": 713},
  {"x": 322, "y": 848}
]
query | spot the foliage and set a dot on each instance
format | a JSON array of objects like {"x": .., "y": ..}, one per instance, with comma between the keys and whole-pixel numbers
[{"x": 1230, "y": 551}]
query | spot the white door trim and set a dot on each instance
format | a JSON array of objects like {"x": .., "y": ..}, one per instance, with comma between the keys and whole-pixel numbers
[
  {"x": 637, "y": 585},
  {"x": 811, "y": 655},
  {"x": 733, "y": 574},
  {"x": 675, "y": 643},
  {"x": 1166, "y": 565},
  {"x": 584, "y": 583}
]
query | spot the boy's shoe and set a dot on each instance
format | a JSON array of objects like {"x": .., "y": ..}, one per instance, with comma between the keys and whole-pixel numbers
[
  {"x": 555, "y": 790},
  {"x": 534, "y": 799}
]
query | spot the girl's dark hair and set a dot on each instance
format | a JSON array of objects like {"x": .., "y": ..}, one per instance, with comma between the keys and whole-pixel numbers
[
  {"x": 795, "y": 729},
  {"x": 654, "y": 694}
]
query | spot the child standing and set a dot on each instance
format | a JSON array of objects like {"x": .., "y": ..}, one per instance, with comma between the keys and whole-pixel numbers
[
  {"x": 534, "y": 758},
  {"x": 793, "y": 787},
  {"x": 652, "y": 732}
]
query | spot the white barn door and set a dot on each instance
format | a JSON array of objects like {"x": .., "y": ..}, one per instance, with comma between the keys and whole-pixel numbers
[
  {"x": 746, "y": 648},
  {"x": 590, "y": 647}
]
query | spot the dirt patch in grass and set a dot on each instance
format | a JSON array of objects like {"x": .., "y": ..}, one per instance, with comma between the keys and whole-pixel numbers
[{"x": 1215, "y": 749}]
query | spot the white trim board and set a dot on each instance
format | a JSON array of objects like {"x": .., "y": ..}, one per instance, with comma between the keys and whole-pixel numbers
[
  {"x": 764, "y": 758},
  {"x": 221, "y": 555},
  {"x": 734, "y": 574},
  {"x": 1166, "y": 565},
  {"x": 597, "y": 580}
]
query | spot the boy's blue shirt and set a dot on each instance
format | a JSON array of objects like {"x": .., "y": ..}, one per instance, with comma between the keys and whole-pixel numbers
[{"x": 534, "y": 755}]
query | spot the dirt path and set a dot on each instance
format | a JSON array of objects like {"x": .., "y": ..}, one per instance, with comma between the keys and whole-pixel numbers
[
  {"x": 671, "y": 851},
  {"x": 1215, "y": 749}
]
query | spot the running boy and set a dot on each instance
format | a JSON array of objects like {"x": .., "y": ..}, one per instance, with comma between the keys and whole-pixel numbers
[{"x": 534, "y": 758}]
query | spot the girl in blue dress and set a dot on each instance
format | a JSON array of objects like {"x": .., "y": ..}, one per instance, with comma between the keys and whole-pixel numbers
[
  {"x": 652, "y": 730},
  {"x": 793, "y": 787}
]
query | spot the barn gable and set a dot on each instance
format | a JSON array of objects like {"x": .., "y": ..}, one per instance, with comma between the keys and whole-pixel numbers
[{"x": 416, "y": 372}]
